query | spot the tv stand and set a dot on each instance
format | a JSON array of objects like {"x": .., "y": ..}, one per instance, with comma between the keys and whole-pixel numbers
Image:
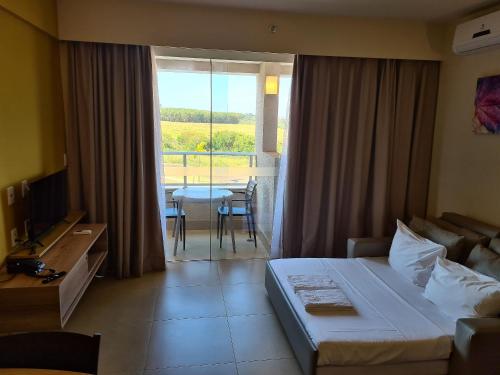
[
  {"x": 38, "y": 248},
  {"x": 29, "y": 305}
]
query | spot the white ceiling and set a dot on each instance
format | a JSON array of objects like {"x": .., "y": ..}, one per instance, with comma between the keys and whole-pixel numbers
[{"x": 429, "y": 10}]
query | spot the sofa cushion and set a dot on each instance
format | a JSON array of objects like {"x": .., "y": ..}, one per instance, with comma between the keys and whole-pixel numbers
[
  {"x": 485, "y": 261},
  {"x": 455, "y": 244},
  {"x": 471, "y": 238},
  {"x": 472, "y": 224},
  {"x": 495, "y": 245}
]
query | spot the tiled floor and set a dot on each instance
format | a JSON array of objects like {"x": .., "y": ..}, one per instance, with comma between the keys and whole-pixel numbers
[
  {"x": 197, "y": 249},
  {"x": 198, "y": 318}
]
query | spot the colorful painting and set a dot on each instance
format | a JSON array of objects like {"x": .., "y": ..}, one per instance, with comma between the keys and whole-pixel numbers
[{"x": 487, "y": 103}]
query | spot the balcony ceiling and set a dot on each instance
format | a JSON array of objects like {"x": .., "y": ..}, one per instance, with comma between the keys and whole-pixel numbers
[{"x": 427, "y": 10}]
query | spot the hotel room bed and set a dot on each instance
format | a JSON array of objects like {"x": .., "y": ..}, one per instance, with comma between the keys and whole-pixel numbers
[
  {"x": 392, "y": 326},
  {"x": 392, "y": 330}
]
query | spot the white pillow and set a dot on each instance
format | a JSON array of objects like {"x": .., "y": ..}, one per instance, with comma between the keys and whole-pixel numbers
[
  {"x": 461, "y": 292},
  {"x": 414, "y": 256}
]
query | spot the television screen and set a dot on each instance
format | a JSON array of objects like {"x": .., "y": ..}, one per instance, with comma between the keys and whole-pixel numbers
[{"x": 48, "y": 203}]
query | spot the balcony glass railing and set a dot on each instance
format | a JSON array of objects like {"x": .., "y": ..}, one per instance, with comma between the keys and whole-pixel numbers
[{"x": 188, "y": 168}]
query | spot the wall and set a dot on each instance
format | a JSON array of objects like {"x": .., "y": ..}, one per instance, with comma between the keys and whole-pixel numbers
[
  {"x": 41, "y": 14},
  {"x": 466, "y": 167},
  {"x": 158, "y": 23},
  {"x": 266, "y": 127},
  {"x": 31, "y": 118}
]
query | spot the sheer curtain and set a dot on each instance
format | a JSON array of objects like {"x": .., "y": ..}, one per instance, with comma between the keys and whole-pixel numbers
[
  {"x": 279, "y": 204},
  {"x": 160, "y": 172},
  {"x": 277, "y": 238}
]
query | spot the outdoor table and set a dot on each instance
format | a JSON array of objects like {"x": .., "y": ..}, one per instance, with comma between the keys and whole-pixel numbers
[{"x": 202, "y": 195}]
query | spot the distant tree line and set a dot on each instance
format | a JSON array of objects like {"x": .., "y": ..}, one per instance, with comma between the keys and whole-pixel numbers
[{"x": 203, "y": 116}]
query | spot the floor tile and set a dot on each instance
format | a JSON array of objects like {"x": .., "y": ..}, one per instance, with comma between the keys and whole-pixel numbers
[
  {"x": 223, "y": 369},
  {"x": 189, "y": 342},
  {"x": 242, "y": 299},
  {"x": 131, "y": 315},
  {"x": 242, "y": 271},
  {"x": 192, "y": 273},
  {"x": 148, "y": 280},
  {"x": 107, "y": 304},
  {"x": 123, "y": 347},
  {"x": 189, "y": 302},
  {"x": 258, "y": 337},
  {"x": 197, "y": 247},
  {"x": 272, "y": 366}
]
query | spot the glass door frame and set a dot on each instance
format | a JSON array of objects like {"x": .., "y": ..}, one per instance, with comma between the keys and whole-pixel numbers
[{"x": 188, "y": 54}]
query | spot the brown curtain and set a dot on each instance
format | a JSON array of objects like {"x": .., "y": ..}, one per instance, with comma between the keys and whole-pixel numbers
[
  {"x": 111, "y": 149},
  {"x": 359, "y": 150}
]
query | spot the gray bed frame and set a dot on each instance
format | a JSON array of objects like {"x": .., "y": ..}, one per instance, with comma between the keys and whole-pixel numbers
[
  {"x": 476, "y": 340},
  {"x": 305, "y": 350}
]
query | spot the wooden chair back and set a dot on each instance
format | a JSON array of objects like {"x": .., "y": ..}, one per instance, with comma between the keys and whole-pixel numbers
[{"x": 65, "y": 351}]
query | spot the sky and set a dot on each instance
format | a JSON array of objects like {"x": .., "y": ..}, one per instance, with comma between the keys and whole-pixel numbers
[{"x": 231, "y": 92}]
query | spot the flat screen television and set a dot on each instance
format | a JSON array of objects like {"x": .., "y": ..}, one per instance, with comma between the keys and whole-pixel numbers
[{"x": 48, "y": 203}]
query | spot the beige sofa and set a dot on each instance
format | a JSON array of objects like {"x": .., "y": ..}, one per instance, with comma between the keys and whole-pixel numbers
[{"x": 477, "y": 341}]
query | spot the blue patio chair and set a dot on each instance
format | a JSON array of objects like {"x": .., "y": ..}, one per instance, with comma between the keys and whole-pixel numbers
[
  {"x": 171, "y": 213},
  {"x": 246, "y": 210}
]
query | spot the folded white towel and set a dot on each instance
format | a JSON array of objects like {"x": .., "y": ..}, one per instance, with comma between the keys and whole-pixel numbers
[
  {"x": 311, "y": 282},
  {"x": 324, "y": 299}
]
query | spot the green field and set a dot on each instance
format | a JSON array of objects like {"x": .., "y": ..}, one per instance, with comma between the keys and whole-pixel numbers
[{"x": 185, "y": 136}]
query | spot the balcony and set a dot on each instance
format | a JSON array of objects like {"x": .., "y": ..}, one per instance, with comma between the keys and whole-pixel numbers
[
  {"x": 220, "y": 130},
  {"x": 230, "y": 170}
]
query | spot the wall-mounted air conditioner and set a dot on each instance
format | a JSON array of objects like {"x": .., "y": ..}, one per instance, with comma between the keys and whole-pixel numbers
[{"x": 477, "y": 34}]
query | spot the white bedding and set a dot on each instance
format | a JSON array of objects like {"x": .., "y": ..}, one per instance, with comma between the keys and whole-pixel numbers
[{"x": 392, "y": 321}]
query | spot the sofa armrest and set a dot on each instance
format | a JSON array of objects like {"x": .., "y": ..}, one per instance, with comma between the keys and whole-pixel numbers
[
  {"x": 476, "y": 346},
  {"x": 368, "y": 247}
]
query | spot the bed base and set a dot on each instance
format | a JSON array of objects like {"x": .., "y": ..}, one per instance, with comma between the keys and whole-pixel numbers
[{"x": 305, "y": 350}]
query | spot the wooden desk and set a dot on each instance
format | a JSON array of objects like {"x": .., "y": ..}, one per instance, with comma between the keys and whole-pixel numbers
[
  {"x": 29, "y": 305},
  {"x": 30, "y": 371}
]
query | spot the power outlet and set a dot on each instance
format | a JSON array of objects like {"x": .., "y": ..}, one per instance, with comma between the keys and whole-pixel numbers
[
  {"x": 13, "y": 237},
  {"x": 24, "y": 188},
  {"x": 11, "y": 195}
]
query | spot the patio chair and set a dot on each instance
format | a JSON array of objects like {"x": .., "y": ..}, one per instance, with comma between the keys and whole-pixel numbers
[
  {"x": 65, "y": 351},
  {"x": 247, "y": 211},
  {"x": 171, "y": 213}
]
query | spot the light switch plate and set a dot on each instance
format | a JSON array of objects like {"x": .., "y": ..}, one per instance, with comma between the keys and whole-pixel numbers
[
  {"x": 11, "y": 195},
  {"x": 13, "y": 237}
]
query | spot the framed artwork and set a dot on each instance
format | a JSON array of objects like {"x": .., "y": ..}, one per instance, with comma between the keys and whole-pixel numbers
[{"x": 487, "y": 106}]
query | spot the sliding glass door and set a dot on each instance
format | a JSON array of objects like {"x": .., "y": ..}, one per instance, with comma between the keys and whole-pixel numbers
[
  {"x": 184, "y": 88},
  {"x": 222, "y": 130},
  {"x": 234, "y": 102}
]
